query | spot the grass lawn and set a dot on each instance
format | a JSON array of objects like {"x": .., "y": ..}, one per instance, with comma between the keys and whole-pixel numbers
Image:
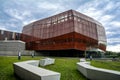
[
  {"x": 6, "y": 66},
  {"x": 112, "y": 65},
  {"x": 66, "y": 66}
]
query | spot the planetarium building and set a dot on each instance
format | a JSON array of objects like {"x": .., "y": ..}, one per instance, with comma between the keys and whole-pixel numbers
[{"x": 67, "y": 33}]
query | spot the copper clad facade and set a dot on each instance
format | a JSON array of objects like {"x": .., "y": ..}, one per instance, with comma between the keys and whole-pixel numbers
[{"x": 64, "y": 31}]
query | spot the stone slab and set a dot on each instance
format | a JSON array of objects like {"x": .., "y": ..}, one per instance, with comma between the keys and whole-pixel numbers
[
  {"x": 46, "y": 61},
  {"x": 94, "y": 73},
  {"x": 82, "y": 60},
  {"x": 28, "y": 70}
]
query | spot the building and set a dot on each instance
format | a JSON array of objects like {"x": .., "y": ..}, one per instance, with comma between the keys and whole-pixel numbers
[
  {"x": 68, "y": 33},
  {"x": 8, "y": 35},
  {"x": 11, "y": 44}
]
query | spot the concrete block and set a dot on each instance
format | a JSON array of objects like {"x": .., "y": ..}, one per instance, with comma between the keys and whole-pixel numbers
[
  {"x": 28, "y": 70},
  {"x": 94, "y": 73},
  {"x": 46, "y": 61},
  {"x": 82, "y": 60}
]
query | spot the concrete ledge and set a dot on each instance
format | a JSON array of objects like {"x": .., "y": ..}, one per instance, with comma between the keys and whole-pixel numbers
[
  {"x": 28, "y": 70},
  {"x": 82, "y": 60},
  {"x": 46, "y": 61},
  {"x": 94, "y": 73}
]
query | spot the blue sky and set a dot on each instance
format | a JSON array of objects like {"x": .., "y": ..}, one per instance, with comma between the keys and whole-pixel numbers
[{"x": 14, "y": 14}]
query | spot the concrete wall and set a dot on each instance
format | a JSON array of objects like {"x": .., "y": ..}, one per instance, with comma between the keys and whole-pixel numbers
[
  {"x": 15, "y": 53},
  {"x": 12, "y": 47}
]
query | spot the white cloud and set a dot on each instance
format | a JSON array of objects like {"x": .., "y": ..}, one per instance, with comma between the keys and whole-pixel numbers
[
  {"x": 14, "y": 13},
  {"x": 113, "y": 26},
  {"x": 48, "y": 6},
  {"x": 12, "y": 25},
  {"x": 113, "y": 31},
  {"x": 106, "y": 18},
  {"x": 110, "y": 33},
  {"x": 2, "y": 28},
  {"x": 91, "y": 9},
  {"x": 28, "y": 13},
  {"x": 114, "y": 48},
  {"x": 112, "y": 40},
  {"x": 28, "y": 21},
  {"x": 109, "y": 6},
  {"x": 115, "y": 23},
  {"x": 18, "y": 14},
  {"x": 54, "y": 8}
]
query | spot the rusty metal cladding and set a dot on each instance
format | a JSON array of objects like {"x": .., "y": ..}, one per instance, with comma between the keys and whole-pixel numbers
[{"x": 67, "y": 30}]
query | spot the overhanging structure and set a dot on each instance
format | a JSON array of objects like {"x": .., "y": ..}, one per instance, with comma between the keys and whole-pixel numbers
[{"x": 64, "y": 31}]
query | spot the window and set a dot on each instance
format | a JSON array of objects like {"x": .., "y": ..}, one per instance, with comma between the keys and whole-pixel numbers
[
  {"x": 66, "y": 16},
  {"x": 70, "y": 17},
  {"x": 75, "y": 18},
  {"x": 2, "y": 32},
  {"x": 62, "y": 20},
  {"x": 78, "y": 19},
  {"x": 58, "y": 21},
  {"x": 66, "y": 19}
]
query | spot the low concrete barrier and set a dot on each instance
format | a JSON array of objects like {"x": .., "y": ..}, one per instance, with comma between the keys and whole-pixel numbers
[
  {"x": 94, "y": 73},
  {"x": 46, "y": 61},
  {"x": 82, "y": 60},
  {"x": 33, "y": 62},
  {"x": 29, "y": 70}
]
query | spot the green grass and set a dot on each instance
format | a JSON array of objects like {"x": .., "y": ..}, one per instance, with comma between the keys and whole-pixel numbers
[
  {"x": 6, "y": 67},
  {"x": 66, "y": 66},
  {"x": 112, "y": 65}
]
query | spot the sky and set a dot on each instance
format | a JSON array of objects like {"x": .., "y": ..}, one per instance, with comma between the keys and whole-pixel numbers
[{"x": 14, "y": 14}]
